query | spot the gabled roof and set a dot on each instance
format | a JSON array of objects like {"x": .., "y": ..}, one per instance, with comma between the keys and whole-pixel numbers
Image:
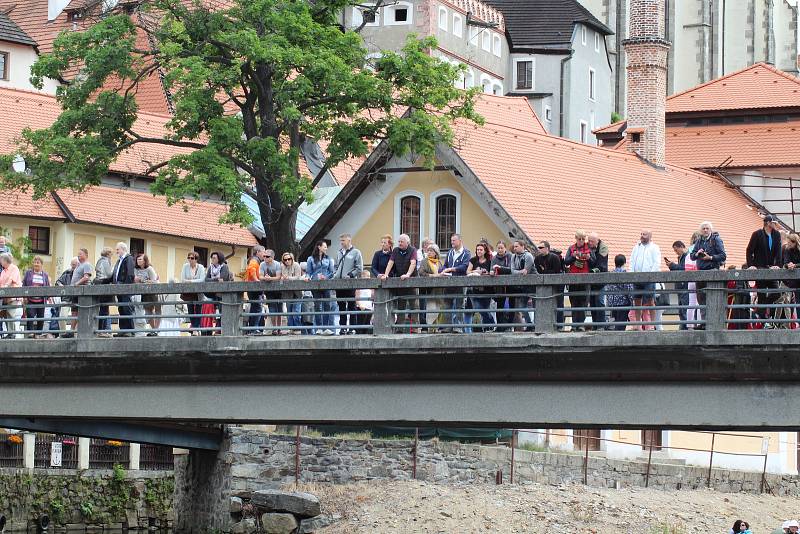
[
  {"x": 31, "y": 17},
  {"x": 544, "y": 23},
  {"x": 735, "y": 145},
  {"x": 12, "y": 33},
  {"x": 551, "y": 186},
  {"x": 758, "y": 86}
]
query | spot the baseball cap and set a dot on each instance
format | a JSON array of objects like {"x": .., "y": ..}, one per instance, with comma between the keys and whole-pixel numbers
[
  {"x": 769, "y": 219},
  {"x": 792, "y": 523}
]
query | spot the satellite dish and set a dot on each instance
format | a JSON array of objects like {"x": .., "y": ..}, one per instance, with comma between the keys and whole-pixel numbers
[{"x": 18, "y": 164}]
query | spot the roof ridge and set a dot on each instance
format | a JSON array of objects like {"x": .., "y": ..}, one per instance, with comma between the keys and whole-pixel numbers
[
  {"x": 756, "y": 126},
  {"x": 735, "y": 73}
]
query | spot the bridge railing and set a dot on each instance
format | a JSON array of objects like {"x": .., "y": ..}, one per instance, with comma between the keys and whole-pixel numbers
[{"x": 710, "y": 300}]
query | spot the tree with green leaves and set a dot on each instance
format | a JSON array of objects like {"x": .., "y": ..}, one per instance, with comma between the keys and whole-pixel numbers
[{"x": 249, "y": 81}]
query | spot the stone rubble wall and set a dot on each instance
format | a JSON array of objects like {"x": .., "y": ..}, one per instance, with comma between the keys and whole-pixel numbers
[
  {"x": 78, "y": 498},
  {"x": 257, "y": 460}
]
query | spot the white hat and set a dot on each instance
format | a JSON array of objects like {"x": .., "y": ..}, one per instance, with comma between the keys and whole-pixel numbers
[{"x": 792, "y": 523}]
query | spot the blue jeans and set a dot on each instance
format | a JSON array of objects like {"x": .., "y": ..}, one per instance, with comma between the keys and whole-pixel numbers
[
  {"x": 457, "y": 303},
  {"x": 294, "y": 307},
  {"x": 482, "y": 303},
  {"x": 257, "y": 320},
  {"x": 323, "y": 320},
  {"x": 104, "y": 324}
]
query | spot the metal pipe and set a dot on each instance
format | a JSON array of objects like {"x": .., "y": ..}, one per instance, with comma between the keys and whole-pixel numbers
[
  {"x": 711, "y": 460},
  {"x": 586, "y": 462},
  {"x": 764, "y": 473},
  {"x": 649, "y": 459},
  {"x": 414, "y": 457},
  {"x": 561, "y": 94},
  {"x": 297, "y": 457},
  {"x": 513, "y": 446}
]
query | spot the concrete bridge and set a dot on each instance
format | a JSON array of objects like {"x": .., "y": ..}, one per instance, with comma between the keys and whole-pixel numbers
[{"x": 712, "y": 378}]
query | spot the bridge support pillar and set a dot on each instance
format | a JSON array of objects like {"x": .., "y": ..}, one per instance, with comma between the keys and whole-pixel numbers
[
  {"x": 28, "y": 450},
  {"x": 83, "y": 452},
  {"x": 203, "y": 490},
  {"x": 134, "y": 453}
]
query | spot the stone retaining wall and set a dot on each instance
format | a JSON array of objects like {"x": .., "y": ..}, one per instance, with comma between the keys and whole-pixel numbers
[
  {"x": 93, "y": 497},
  {"x": 258, "y": 460}
]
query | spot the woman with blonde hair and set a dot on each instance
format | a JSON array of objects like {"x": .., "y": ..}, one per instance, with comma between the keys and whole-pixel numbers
[
  {"x": 10, "y": 277},
  {"x": 791, "y": 261},
  {"x": 430, "y": 266},
  {"x": 290, "y": 270}
]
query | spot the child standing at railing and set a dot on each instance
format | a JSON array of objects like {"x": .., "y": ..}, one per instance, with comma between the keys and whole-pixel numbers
[
  {"x": 618, "y": 296},
  {"x": 364, "y": 303}
]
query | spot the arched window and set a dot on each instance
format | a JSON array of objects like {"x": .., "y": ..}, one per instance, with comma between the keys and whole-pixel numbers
[
  {"x": 469, "y": 79},
  {"x": 410, "y": 218},
  {"x": 442, "y": 18},
  {"x": 458, "y": 25},
  {"x": 446, "y": 215},
  {"x": 497, "y": 88},
  {"x": 497, "y": 45}
]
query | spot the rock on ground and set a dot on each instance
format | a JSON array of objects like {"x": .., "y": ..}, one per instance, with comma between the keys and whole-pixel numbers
[
  {"x": 297, "y": 503},
  {"x": 278, "y": 523},
  {"x": 411, "y": 507}
]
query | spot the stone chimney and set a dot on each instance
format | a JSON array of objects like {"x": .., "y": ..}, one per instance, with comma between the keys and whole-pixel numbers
[{"x": 647, "y": 49}]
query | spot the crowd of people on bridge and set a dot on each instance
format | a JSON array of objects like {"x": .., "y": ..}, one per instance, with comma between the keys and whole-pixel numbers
[{"x": 616, "y": 306}]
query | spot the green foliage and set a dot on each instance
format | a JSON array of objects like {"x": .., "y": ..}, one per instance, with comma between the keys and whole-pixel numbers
[
  {"x": 158, "y": 495},
  {"x": 533, "y": 447},
  {"x": 118, "y": 473},
  {"x": 87, "y": 509},
  {"x": 615, "y": 117},
  {"x": 58, "y": 511},
  {"x": 668, "y": 528},
  {"x": 20, "y": 249},
  {"x": 248, "y": 82}
]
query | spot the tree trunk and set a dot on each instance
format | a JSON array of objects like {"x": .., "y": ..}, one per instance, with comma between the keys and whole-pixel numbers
[{"x": 281, "y": 232}]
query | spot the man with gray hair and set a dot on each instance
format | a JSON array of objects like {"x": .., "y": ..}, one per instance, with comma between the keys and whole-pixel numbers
[
  {"x": 403, "y": 264},
  {"x": 349, "y": 264},
  {"x": 124, "y": 274},
  {"x": 709, "y": 254},
  {"x": 456, "y": 264}
]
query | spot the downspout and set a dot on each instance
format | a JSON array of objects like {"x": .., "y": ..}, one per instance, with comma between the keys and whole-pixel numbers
[
  {"x": 561, "y": 94},
  {"x": 722, "y": 66},
  {"x": 621, "y": 81}
]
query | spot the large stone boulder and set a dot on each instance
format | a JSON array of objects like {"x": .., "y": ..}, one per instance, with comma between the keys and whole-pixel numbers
[
  {"x": 297, "y": 503},
  {"x": 245, "y": 526},
  {"x": 278, "y": 523}
]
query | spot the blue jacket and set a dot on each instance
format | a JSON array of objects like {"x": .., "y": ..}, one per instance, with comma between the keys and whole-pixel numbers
[
  {"x": 460, "y": 262},
  {"x": 316, "y": 268},
  {"x": 714, "y": 247}
]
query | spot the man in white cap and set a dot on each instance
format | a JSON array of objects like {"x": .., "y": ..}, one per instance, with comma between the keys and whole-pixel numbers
[{"x": 790, "y": 525}]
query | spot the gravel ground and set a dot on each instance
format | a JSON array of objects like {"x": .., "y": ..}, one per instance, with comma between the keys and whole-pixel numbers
[{"x": 420, "y": 507}]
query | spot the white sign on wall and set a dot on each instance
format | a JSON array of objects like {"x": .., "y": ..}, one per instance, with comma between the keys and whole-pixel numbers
[{"x": 55, "y": 454}]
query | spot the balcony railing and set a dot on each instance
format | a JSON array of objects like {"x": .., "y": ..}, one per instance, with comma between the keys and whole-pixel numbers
[{"x": 709, "y": 300}]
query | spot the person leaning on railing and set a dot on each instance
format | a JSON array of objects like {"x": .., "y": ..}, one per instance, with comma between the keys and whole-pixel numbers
[
  {"x": 791, "y": 261},
  {"x": 429, "y": 267},
  {"x": 217, "y": 272},
  {"x": 764, "y": 251},
  {"x": 145, "y": 273},
  {"x": 35, "y": 277},
  {"x": 521, "y": 263},
  {"x": 193, "y": 271},
  {"x": 578, "y": 259},
  {"x": 290, "y": 270},
  {"x": 10, "y": 277},
  {"x": 479, "y": 265},
  {"x": 103, "y": 271},
  {"x": 319, "y": 266},
  {"x": 501, "y": 264},
  {"x": 403, "y": 265}
]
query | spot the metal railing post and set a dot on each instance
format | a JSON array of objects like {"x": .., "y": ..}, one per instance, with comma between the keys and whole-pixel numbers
[
  {"x": 716, "y": 306},
  {"x": 87, "y": 316},
  {"x": 513, "y": 446},
  {"x": 414, "y": 458},
  {"x": 764, "y": 474},
  {"x": 382, "y": 314},
  {"x": 297, "y": 456},
  {"x": 544, "y": 309},
  {"x": 710, "y": 460},
  {"x": 586, "y": 462},
  {"x": 231, "y": 314},
  {"x": 649, "y": 460}
]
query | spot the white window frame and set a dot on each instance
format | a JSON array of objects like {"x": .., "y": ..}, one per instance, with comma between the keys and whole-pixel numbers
[
  {"x": 458, "y": 25},
  {"x": 497, "y": 45},
  {"x": 548, "y": 114},
  {"x": 486, "y": 84},
  {"x": 469, "y": 79},
  {"x": 5, "y": 74},
  {"x": 388, "y": 12},
  {"x": 497, "y": 88},
  {"x": 596, "y": 42},
  {"x": 583, "y": 130},
  {"x": 473, "y": 34},
  {"x": 397, "y": 213},
  {"x": 443, "y": 18},
  {"x": 432, "y": 222},
  {"x": 533, "y": 73},
  {"x": 592, "y": 84},
  {"x": 486, "y": 41},
  {"x": 583, "y": 35},
  {"x": 358, "y": 17}
]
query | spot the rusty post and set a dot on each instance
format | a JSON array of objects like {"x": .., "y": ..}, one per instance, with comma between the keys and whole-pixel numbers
[
  {"x": 711, "y": 460},
  {"x": 414, "y": 458},
  {"x": 764, "y": 474},
  {"x": 513, "y": 446},
  {"x": 297, "y": 457},
  {"x": 586, "y": 462},
  {"x": 649, "y": 459}
]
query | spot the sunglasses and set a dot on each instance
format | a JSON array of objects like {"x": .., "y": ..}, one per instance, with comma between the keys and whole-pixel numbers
[
  {"x": 540, "y": 248},
  {"x": 191, "y": 257},
  {"x": 287, "y": 259}
]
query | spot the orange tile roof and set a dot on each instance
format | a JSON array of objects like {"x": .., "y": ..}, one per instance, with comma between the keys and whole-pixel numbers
[
  {"x": 22, "y": 204},
  {"x": 739, "y": 145},
  {"x": 21, "y": 109},
  {"x": 551, "y": 186},
  {"x": 758, "y": 86},
  {"x": 110, "y": 206},
  {"x": 614, "y": 127},
  {"x": 31, "y": 16}
]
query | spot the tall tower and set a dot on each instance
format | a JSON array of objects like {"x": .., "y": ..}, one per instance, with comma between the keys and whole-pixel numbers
[{"x": 647, "y": 49}]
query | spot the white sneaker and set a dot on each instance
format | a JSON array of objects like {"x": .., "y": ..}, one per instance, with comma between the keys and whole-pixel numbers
[{"x": 327, "y": 332}]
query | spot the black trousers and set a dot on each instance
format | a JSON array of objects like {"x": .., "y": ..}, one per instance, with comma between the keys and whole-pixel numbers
[
  {"x": 346, "y": 306},
  {"x": 123, "y": 307}
]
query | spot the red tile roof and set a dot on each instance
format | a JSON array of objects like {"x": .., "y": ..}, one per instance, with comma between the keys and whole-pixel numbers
[
  {"x": 23, "y": 205},
  {"x": 739, "y": 145},
  {"x": 614, "y": 127},
  {"x": 31, "y": 16},
  {"x": 758, "y": 86},
  {"x": 110, "y": 206},
  {"x": 21, "y": 109},
  {"x": 552, "y": 186}
]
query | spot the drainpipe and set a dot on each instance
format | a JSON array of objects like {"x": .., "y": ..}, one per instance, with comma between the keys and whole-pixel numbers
[
  {"x": 621, "y": 82},
  {"x": 722, "y": 66},
  {"x": 561, "y": 95}
]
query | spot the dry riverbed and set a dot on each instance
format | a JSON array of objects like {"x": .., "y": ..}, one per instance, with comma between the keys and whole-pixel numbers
[{"x": 420, "y": 507}]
